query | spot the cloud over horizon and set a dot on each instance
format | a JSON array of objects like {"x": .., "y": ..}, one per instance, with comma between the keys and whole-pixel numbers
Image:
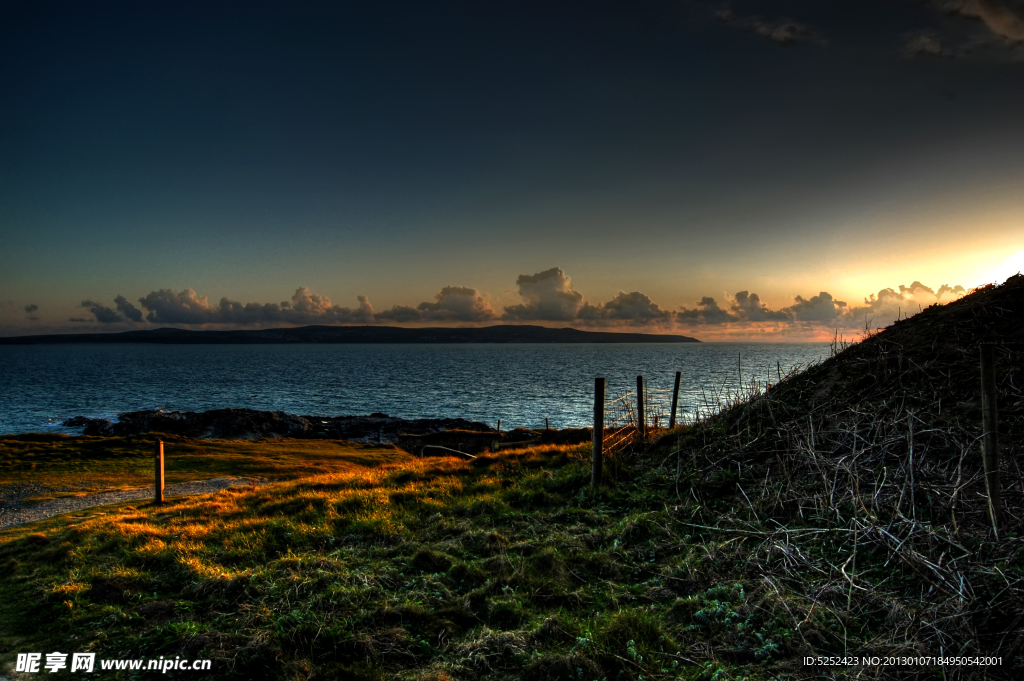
[
  {"x": 167, "y": 307},
  {"x": 823, "y": 309},
  {"x": 547, "y": 296},
  {"x": 451, "y": 304}
]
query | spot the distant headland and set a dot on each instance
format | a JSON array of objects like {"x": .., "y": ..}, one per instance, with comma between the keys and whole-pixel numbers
[{"x": 354, "y": 334}]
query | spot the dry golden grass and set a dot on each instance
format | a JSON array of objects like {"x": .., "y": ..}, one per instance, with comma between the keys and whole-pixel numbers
[{"x": 72, "y": 466}]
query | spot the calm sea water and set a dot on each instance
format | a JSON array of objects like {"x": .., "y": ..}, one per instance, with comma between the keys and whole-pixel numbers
[{"x": 40, "y": 386}]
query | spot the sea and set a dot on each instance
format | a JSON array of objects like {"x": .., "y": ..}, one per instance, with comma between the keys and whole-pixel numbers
[{"x": 523, "y": 385}]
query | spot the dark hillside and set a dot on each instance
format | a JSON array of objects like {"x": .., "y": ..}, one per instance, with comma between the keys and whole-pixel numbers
[
  {"x": 924, "y": 358},
  {"x": 857, "y": 485}
]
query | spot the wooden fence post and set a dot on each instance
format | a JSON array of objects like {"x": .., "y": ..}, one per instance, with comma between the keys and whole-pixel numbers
[
  {"x": 739, "y": 372},
  {"x": 641, "y": 420},
  {"x": 913, "y": 486},
  {"x": 990, "y": 435},
  {"x": 596, "y": 458},
  {"x": 158, "y": 486},
  {"x": 675, "y": 401},
  {"x": 547, "y": 426}
]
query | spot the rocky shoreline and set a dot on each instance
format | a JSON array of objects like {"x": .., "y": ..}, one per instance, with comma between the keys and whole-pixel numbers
[{"x": 250, "y": 424}]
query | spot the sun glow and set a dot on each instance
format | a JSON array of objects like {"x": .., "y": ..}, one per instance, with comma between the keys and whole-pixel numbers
[{"x": 1013, "y": 265}]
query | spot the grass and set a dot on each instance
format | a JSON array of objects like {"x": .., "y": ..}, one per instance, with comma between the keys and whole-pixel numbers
[
  {"x": 74, "y": 466},
  {"x": 505, "y": 566}
]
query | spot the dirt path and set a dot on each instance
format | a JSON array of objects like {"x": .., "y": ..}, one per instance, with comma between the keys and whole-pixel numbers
[{"x": 12, "y": 513}]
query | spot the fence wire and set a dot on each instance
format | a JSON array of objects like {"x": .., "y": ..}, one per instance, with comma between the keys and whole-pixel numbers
[
  {"x": 619, "y": 422},
  {"x": 657, "y": 405},
  {"x": 620, "y": 418}
]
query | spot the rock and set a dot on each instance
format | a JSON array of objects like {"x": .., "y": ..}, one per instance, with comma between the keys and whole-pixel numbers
[
  {"x": 250, "y": 424},
  {"x": 79, "y": 422}
]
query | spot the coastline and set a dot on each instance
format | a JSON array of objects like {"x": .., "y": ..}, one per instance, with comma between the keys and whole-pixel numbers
[{"x": 352, "y": 334}]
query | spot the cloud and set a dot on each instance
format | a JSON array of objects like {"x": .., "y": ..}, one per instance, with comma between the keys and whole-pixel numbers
[
  {"x": 451, "y": 304},
  {"x": 626, "y": 308},
  {"x": 928, "y": 44},
  {"x": 1004, "y": 35},
  {"x": 999, "y": 18},
  {"x": 547, "y": 295},
  {"x": 879, "y": 309},
  {"x": 30, "y": 308},
  {"x": 744, "y": 307},
  {"x": 748, "y": 306},
  {"x": 124, "y": 312},
  {"x": 888, "y": 305},
  {"x": 820, "y": 308},
  {"x": 401, "y": 314},
  {"x": 130, "y": 312},
  {"x": 952, "y": 291},
  {"x": 916, "y": 288},
  {"x": 782, "y": 31},
  {"x": 102, "y": 313},
  {"x": 167, "y": 307},
  {"x": 707, "y": 312}
]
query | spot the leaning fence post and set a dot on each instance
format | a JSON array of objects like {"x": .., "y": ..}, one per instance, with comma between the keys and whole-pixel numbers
[
  {"x": 596, "y": 457},
  {"x": 990, "y": 434},
  {"x": 641, "y": 419},
  {"x": 675, "y": 401},
  {"x": 158, "y": 486}
]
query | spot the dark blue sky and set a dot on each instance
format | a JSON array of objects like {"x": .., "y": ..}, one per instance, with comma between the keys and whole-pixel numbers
[{"x": 674, "y": 149}]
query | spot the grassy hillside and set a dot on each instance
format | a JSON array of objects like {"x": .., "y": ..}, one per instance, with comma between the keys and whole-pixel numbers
[
  {"x": 808, "y": 521},
  {"x": 856, "y": 488}
]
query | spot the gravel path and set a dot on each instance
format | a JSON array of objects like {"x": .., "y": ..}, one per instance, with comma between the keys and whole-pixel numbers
[{"x": 12, "y": 513}]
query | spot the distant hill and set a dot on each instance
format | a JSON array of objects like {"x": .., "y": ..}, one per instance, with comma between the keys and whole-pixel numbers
[{"x": 354, "y": 334}]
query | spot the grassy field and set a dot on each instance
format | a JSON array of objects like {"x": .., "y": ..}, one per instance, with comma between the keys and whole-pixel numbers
[
  {"x": 508, "y": 566},
  {"x": 74, "y": 466},
  {"x": 426, "y": 566}
]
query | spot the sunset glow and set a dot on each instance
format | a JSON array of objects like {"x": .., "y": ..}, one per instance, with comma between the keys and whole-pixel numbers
[{"x": 678, "y": 160}]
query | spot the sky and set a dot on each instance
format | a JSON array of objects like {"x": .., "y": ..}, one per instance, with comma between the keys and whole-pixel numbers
[{"x": 774, "y": 170}]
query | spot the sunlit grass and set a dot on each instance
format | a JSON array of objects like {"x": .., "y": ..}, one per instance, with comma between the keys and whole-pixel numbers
[
  {"x": 426, "y": 564},
  {"x": 508, "y": 566},
  {"x": 74, "y": 466}
]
